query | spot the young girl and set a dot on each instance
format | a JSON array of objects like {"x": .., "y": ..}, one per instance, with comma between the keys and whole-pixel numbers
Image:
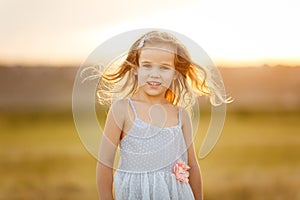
[{"x": 151, "y": 124}]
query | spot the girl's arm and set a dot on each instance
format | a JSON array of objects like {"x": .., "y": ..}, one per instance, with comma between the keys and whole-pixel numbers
[
  {"x": 195, "y": 176},
  {"x": 109, "y": 143}
]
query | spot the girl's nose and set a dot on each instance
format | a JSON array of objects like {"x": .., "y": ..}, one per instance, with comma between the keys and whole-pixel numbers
[{"x": 154, "y": 73}]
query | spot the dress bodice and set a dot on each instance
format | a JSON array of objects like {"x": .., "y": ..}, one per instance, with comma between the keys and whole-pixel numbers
[{"x": 147, "y": 148}]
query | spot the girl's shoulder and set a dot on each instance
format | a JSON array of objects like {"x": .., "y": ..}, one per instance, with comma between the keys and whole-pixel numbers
[
  {"x": 119, "y": 105},
  {"x": 181, "y": 109},
  {"x": 185, "y": 114},
  {"x": 119, "y": 110}
]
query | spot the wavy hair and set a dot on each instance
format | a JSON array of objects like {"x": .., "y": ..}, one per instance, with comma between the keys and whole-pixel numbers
[{"x": 191, "y": 80}]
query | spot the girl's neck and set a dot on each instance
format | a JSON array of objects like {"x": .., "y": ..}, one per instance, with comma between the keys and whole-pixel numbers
[{"x": 149, "y": 99}]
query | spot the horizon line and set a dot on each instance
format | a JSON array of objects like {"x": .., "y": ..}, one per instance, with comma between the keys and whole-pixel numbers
[{"x": 216, "y": 63}]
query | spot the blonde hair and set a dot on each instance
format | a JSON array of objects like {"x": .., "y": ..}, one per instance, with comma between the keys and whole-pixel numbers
[{"x": 191, "y": 82}]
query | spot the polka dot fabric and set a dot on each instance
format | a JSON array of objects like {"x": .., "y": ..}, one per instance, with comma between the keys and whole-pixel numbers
[{"x": 147, "y": 157}]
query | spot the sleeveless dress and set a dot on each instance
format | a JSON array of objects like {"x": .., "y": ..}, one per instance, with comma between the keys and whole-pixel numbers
[{"x": 147, "y": 156}]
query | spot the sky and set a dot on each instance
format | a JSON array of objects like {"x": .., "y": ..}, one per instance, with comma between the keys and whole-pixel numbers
[{"x": 232, "y": 32}]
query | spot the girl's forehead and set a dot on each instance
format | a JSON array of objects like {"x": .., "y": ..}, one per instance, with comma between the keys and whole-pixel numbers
[
  {"x": 157, "y": 55},
  {"x": 161, "y": 46}
]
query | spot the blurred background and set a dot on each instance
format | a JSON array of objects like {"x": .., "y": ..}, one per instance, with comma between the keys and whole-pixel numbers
[{"x": 254, "y": 43}]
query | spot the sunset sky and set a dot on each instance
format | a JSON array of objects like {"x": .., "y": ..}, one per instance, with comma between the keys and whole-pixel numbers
[{"x": 232, "y": 32}]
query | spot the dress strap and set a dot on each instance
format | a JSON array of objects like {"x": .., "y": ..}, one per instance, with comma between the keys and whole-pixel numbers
[
  {"x": 179, "y": 116},
  {"x": 133, "y": 108}
]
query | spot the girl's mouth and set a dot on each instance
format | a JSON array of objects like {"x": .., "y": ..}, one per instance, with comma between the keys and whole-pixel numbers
[{"x": 153, "y": 83}]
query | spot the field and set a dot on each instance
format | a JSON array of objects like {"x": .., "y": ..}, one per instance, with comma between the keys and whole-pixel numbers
[{"x": 257, "y": 157}]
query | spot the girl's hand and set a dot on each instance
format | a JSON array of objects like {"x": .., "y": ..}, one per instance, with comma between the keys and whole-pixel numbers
[
  {"x": 109, "y": 144},
  {"x": 195, "y": 176}
]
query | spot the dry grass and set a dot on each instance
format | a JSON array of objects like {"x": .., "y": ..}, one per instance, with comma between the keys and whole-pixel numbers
[{"x": 257, "y": 157}]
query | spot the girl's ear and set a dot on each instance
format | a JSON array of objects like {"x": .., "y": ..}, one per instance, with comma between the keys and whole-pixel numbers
[
  {"x": 134, "y": 71},
  {"x": 176, "y": 75}
]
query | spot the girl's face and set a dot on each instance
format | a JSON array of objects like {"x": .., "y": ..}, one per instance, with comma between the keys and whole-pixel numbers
[{"x": 156, "y": 69}]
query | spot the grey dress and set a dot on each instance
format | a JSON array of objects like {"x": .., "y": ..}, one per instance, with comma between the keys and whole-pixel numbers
[{"x": 147, "y": 156}]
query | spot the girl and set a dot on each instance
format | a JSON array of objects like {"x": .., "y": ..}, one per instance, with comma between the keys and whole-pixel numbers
[{"x": 151, "y": 124}]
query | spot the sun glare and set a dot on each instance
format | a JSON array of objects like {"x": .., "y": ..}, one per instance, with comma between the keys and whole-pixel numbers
[{"x": 233, "y": 32}]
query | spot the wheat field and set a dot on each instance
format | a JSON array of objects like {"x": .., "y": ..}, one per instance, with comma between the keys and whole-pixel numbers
[{"x": 257, "y": 157}]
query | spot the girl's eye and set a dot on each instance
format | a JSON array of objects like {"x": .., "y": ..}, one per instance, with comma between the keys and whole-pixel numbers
[
  {"x": 146, "y": 66},
  {"x": 164, "y": 68}
]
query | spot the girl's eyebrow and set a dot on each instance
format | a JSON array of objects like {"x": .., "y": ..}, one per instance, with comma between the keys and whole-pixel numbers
[
  {"x": 163, "y": 63},
  {"x": 167, "y": 64},
  {"x": 145, "y": 61}
]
